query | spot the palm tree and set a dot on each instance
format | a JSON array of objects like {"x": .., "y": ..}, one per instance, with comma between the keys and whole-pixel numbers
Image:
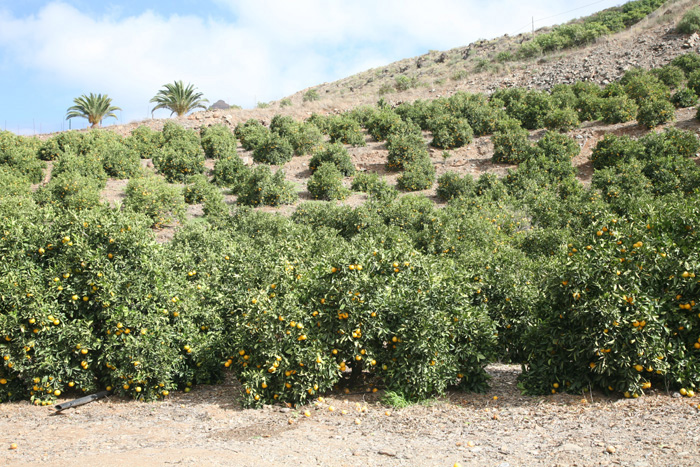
[
  {"x": 178, "y": 99},
  {"x": 93, "y": 107}
]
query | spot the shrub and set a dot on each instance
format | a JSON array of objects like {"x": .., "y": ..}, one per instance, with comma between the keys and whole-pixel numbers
[
  {"x": 511, "y": 146},
  {"x": 671, "y": 75},
  {"x": 614, "y": 89},
  {"x": 363, "y": 181},
  {"x": 589, "y": 107},
  {"x": 655, "y": 112},
  {"x": 690, "y": 22},
  {"x": 345, "y": 130},
  {"x": 684, "y": 98},
  {"x": 383, "y": 123},
  {"x": 404, "y": 149},
  {"x": 531, "y": 110},
  {"x": 251, "y": 133},
  {"x": 13, "y": 183},
  {"x": 310, "y": 96},
  {"x": 327, "y": 183},
  {"x": 451, "y": 186},
  {"x": 613, "y": 150},
  {"x": 54, "y": 147},
  {"x": 198, "y": 189},
  {"x": 304, "y": 138},
  {"x": 321, "y": 122},
  {"x": 557, "y": 147},
  {"x": 417, "y": 175},
  {"x": 563, "y": 96},
  {"x": 451, "y": 132},
  {"x": 688, "y": 62},
  {"x": 70, "y": 190},
  {"x": 404, "y": 83},
  {"x": 160, "y": 201},
  {"x": 282, "y": 125},
  {"x": 90, "y": 167},
  {"x": 273, "y": 149},
  {"x": 672, "y": 142},
  {"x": 120, "y": 162},
  {"x": 218, "y": 141},
  {"x": 262, "y": 187},
  {"x": 645, "y": 86},
  {"x": 229, "y": 172},
  {"x": 694, "y": 81},
  {"x": 335, "y": 154},
  {"x": 19, "y": 155},
  {"x": 286, "y": 103},
  {"x": 618, "y": 110},
  {"x": 565, "y": 119},
  {"x": 144, "y": 142},
  {"x": 181, "y": 154}
]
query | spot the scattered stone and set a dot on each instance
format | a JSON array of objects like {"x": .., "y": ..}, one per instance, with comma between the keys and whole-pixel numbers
[
  {"x": 610, "y": 449},
  {"x": 570, "y": 447}
]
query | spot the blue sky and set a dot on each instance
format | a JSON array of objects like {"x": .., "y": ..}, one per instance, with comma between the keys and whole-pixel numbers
[{"x": 242, "y": 51}]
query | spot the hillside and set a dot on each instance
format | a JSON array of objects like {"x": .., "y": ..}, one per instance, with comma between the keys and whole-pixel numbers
[{"x": 399, "y": 268}]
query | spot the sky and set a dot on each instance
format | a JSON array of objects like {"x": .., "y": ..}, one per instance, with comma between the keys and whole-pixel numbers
[{"x": 241, "y": 51}]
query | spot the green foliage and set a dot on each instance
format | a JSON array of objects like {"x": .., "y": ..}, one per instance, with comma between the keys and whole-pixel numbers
[
  {"x": 181, "y": 154},
  {"x": 511, "y": 146},
  {"x": 273, "y": 149},
  {"x": 70, "y": 190},
  {"x": 161, "y": 202},
  {"x": 376, "y": 186},
  {"x": 404, "y": 83},
  {"x": 144, "y": 142},
  {"x": 672, "y": 142},
  {"x": 89, "y": 166},
  {"x": 557, "y": 147},
  {"x": 644, "y": 86},
  {"x": 262, "y": 187},
  {"x": 218, "y": 141},
  {"x": 613, "y": 150},
  {"x": 694, "y": 81},
  {"x": 120, "y": 162},
  {"x": 670, "y": 75},
  {"x": 450, "y": 132},
  {"x": 178, "y": 98},
  {"x": 383, "y": 123},
  {"x": 311, "y": 96},
  {"x": 451, "y": 186},
  {"x": 563, "y": 119},
  {"x": 286, "y": 103},
  {"x": 198, "y": 190},
  {"x": 229, "y": 172},
  {"x": 54, "y": 147},
  {"x": 417, "y": 175},
  {"x": 618, "y": 109},
  {"x": 690, "y": 22},
  {"x": 304, "y": 138},
  {"x": 18, "y": 154},
  {"x": 13, "y": 184},
  {"x": 655, "y": 112},
  {"x": 531, "y": 110},
  {"x": 688, "y": 62},
  {"x": 94, "y": 108},
  {"x": 251, "y": 133},
  {"x": 326, "y": 183},
  {"x": 403, "y": 149},
  {"x": 345, "y": 130},
  {"x": 589, "y": 107},
  {"x": 335, "y": 154},
  {"x": 684, "y": 98}
]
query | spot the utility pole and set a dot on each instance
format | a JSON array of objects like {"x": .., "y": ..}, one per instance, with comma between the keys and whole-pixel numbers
[{"x": 533, "y": 25}]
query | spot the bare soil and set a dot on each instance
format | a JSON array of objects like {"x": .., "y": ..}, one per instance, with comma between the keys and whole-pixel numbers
[{"x": 500, "y": 428}]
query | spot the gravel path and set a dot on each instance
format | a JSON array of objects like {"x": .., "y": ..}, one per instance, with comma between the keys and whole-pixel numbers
[{"x": 500, "y": 428}]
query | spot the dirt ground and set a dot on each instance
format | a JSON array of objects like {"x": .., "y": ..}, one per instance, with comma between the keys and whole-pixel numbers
[{"x": 499, "y": 428}]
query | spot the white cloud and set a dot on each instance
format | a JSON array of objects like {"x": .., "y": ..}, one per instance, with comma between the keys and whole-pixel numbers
[{"x": 272, "y": 49}]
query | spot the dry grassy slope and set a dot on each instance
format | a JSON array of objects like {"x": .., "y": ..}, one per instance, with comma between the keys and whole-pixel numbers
[{"x": 649, "y": 43}]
